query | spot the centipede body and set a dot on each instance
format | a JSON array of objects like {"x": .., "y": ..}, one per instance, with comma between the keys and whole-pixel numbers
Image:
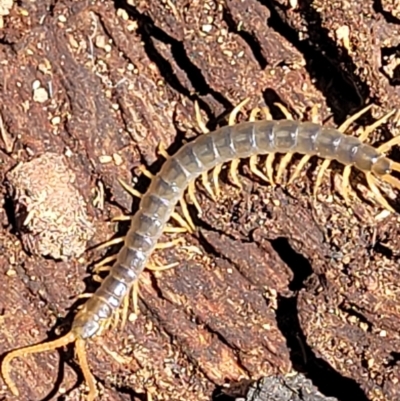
[{"x": 205, "y": 153}]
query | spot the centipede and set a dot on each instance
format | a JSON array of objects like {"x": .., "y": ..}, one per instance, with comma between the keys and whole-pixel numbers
[{"x": 204, "y": 158}]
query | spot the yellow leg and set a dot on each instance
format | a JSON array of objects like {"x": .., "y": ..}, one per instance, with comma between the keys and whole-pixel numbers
[
  {"x": 233, "y": 114},
  {"x": 346, "y": 124},
  {"x": 254, "y": 169},
  {"x": 303, "y": 161},
  {"x": 169, "y": 244},
  {"x": 284, "y": 111},
  {"x": 199, "y": 119},
  {"x": 207, "y": 185},
  {"x": 269, "y": 165},
  {"x": 215, "y": 174},
  {"x": 367, "y": 131},
  {"x": 346, "y": 184},
  {"x": 267, "y": 113},
  {"x": 162, "y": 151},
  {"x": 134, "y": 192},
  {"x": 146, "y": 172},
  {"x": 192, "y": 196},
  {"x": 325, "y": 164},
  {"x": 393, "y": 181},
  {"x": 110, "y": 242},
  {"x": 283, "y": 165},
  {"x": 186, "y": 215},
  {"x": 182, "y": 222},
  {"x": 233, "y": 172},
  {"x": 87, "y": 374},
  {"x": 314, "y": 114},
  {"x": 253, "y": 114}
]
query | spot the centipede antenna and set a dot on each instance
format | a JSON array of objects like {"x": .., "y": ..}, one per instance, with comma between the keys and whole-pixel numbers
[
  {"x": 34, "y": 349},
  {"x": 87, "y": 374}
]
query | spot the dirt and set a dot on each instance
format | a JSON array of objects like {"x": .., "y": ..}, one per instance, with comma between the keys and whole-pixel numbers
[{"x": 273, "y": 281}]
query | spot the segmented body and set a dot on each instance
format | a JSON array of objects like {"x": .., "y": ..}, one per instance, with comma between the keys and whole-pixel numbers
[
  {"x": 207, "y": 152},
  {"x": 194, "y": 158}
]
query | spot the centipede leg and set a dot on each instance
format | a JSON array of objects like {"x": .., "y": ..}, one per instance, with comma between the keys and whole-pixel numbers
[
  {"x": 393, "y": 181},
  {"x": 269, "y": 165},
  {"x": 163, "y": 151},
  {"x": 254, "y": 169},
  {"x": 215, "y": 174},
  {"x": 186, "y": 215},
  {"x": 368, "y": 130},
  {"x": 207, "y": 185},
  {"x": 283, "y": 165},
  {"x": 146, "y": 172},
  {"x": 199, "y": 119},
  {"x": 284, "y": 111},
  {"x": 233, "y": 170},
  {"x": 325, "y": 164},
  {"x": 192, "y": 196},
  {"x": 346, "y": 124},
  {"x": 346, "y": 184},
  {"x": 303, "y": 161}
]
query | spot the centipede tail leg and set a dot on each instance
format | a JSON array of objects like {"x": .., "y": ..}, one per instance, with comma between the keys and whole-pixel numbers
[
  {"x": 87, "y": 374},
  {"x": 33, "y": 349}
]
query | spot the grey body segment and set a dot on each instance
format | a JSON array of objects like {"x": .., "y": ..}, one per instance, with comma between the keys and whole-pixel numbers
[{"x": 193, "y": 159}]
